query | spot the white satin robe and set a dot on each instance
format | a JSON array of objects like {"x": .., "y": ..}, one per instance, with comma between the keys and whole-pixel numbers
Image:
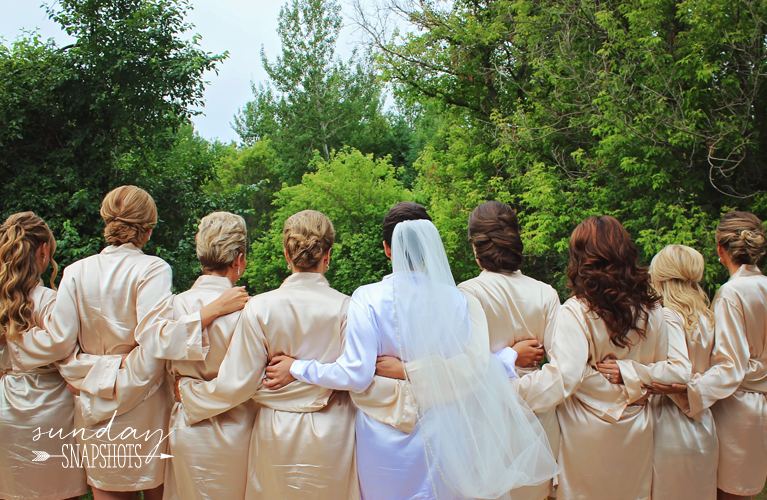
[
  {"x": 391, "y": 462},
  {"x": 302, "y": 445},
  {"x": 606, "y": 446},
  {"x": 34, "y": 396},
  {"x": 740, "y": 359},
  {"x": 210, "y": 458},
  {"x": 686, "y": 448},
  {"x": 517, "y": 308},
  {"x": 107, "y": 302}
]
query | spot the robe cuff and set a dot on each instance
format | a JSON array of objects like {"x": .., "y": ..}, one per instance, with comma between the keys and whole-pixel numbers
[
  {"x": 632, "y": 382},
  {"x": 508, "y": 357},
  {"x": 188, "y": 417},
  {"x": 198, "y": 341},
  {"x": 298, "y": 369},
  {"x": 102, "y": 377}
]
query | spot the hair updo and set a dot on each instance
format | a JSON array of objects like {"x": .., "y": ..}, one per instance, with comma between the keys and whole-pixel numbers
[
  {"x": 129, "y": 214},
  {"x": 221, "y": 237},
  {"x": 742, "y": 236},
  {"x": 306, "y": 237},
  {"x": 494, "y": 231},
  {"x": 20, "y": 236},
  {"x": 676, "y": 273}
]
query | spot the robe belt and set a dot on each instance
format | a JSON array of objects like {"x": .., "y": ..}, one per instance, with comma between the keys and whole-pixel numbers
[{"x": 296, "y": 397}]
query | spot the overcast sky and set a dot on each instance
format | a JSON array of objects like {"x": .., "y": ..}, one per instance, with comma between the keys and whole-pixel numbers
[{"x": 239, "y": 26}]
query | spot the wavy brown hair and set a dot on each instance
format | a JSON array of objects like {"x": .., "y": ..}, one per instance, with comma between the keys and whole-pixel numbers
[
  {"x": 604, "y": 272},
  {"x": 129, "y": 215},
  {"x": 20, "y": 236},
  {"x": 742, "y": 236},
  {"x": 494, "y": 231}
]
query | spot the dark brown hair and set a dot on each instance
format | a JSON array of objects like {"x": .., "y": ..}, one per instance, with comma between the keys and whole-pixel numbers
[
  {"x": 604, "y": 272},
  {"x": 494, "y": 231},
  {"x": 406, "y": 210},
  {"x": 742, "y": 236}
]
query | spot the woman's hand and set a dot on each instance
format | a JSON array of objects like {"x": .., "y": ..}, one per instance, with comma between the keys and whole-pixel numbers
[
  {"x": 642, "y": 401},
  {"x": 278, "y": 372},
  {"x": 390, "y": 367},
  {"x": 667, "y": 389},
  {"x": 176, "y": 392},
  {"x": 529, "y": 353},
  {"x": 73, "y": 389},
  {"x": 610, "y": 369}
]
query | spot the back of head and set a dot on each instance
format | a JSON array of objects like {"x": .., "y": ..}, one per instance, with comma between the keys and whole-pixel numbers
[
  {"x": 742, "y": 236},
  {"x": 406, "y": 210},
  {"x": 129, "y": 215},
  {"x": 221, "y": 237},
  {"x": 20, "y": 236},
  {"x": 306, "y": 237},
  {"x": 494, "y": 231},
  {"x": 604, "y": 272},
  {"x": 676, "y": 273}
]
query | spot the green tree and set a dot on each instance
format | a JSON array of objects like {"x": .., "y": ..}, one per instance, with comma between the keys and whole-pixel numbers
[
  {"x": 76, "y": 121},
  {"x": 355, "y": 191}
]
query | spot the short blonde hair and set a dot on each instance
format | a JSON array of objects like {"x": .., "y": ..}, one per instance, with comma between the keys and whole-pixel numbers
[
  {"x": 221, "y": 237},
  {"x": 130, "y": 215},
  {"x": 742, "y": 236},
  {"x": 676, "y": 273},
  {"x": 306, "y": 237}
]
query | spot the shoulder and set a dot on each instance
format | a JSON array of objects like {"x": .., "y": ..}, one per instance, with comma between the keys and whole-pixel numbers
[
  {"x": 670, "y": 316},
  {"x": 378, "y": 289},
  {"x": 42, "y": 295}
]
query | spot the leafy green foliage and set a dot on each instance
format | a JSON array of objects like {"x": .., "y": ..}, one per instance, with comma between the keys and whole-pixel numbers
[{"x": 355, "y": 191}]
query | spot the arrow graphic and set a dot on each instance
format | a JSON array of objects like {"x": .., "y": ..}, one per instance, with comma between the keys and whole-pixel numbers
[{"x": 41, "y": 456}]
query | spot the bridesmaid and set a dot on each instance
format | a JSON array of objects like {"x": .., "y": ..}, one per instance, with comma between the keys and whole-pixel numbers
[
  {"x": 209, "y": 457},
  {"x": 740, "y": 309},
  {"x": 106, "y": 302},
  {"x": 686, "y": 449},
  {"x": 612, "y": 314},
  {"x": 520, "y": 311},
  {"x": 302, "y": 445},
  {"x": 32, "y": 393}
]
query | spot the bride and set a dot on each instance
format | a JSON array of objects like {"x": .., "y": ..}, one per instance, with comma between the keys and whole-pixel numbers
[{"x": 478, "y": 440}]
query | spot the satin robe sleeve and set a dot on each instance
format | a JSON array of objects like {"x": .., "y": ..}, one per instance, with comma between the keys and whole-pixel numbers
[
  {"x": 239, "y": 375},
  {"x": 729, "y": 359},
  {"x": 355, "y": 368},
  {"x": 568, "y": 372},
  {"x": 38, "y": 346},
  {"x": 157, "y": 331},
  {"x": 675, "y": 367}
]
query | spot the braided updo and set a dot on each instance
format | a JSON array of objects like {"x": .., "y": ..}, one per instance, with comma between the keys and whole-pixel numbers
[
  {"x": 130, "y": 214},
  {"x": 494, "y": 231},
  {"x": 306, "y": 237},
  {"x": 742, "y": 236}
]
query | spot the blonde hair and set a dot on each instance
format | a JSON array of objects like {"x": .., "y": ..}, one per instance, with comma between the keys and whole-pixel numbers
[
  {"x": 306, "y": 237},
  {"x": 130, "y": 215},
  {"x": 742, "y": 236},
  {"x": 20, "y": 236},
  {"x": 676, "y": 272},
  {"x": 221, "y": 237}
]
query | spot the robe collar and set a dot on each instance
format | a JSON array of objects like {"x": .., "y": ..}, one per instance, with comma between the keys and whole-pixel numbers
[
  {"x": 126, "y": 247},
  {"x": 212, "y": 283},
  {"x": 305, "y": 279},
  {"x": 746, "y": 270}
]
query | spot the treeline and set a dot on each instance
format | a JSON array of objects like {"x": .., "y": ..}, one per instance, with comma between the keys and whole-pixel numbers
[{"x": 653, "y": 112}]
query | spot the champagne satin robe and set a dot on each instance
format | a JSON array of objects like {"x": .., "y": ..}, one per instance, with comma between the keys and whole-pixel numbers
[
  {"x": 606, "y": 445},
  {"x": 302, "y": 445},
  {"x": 106, "y": 302},
  {"x": 740, "y": 356},
  {"x": 209, "y": 458},
  {"x": 34, "y": 399},
  {"x": 517, "y": 308},
  {"x": 686, "y": 449}
]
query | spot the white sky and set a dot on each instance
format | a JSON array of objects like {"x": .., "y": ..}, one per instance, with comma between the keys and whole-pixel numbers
[{"x": 239, "y": 26}]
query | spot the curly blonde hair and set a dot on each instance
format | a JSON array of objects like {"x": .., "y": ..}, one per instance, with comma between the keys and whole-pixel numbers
[
  {"x": 306, "y": 237},
  {"x": 742, "y": 236},
  {"x": 20, "y": 236},
  {"x": 221, "y": 237},
  {"x": 130, "y": 215},
  {"x": 676, "y": 273}
]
